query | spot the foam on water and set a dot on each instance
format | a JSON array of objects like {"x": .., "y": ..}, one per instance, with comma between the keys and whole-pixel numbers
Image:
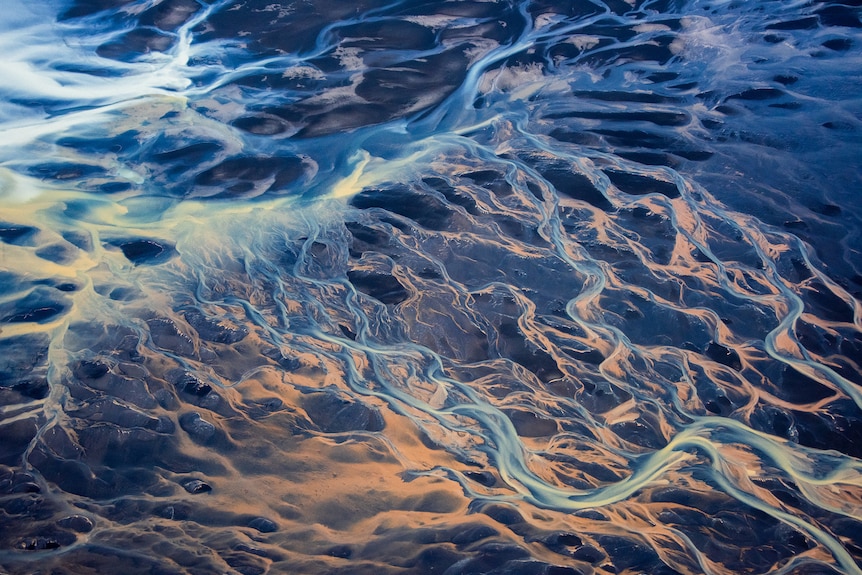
[{"x": 410, "y": 287}]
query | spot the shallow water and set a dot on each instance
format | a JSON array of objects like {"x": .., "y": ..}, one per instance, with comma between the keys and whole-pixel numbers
[{"x": 380, "y": 286}]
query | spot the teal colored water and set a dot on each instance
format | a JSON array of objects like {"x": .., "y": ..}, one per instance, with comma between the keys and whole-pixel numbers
[{"x": 518, "y": 287}]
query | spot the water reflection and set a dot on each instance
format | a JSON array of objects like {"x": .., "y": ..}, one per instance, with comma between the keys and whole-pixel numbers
[{"x": 459, "y": 287}]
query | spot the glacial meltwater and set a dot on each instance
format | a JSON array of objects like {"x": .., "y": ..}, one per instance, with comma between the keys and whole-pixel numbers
[{"x": 519, "y": 287}]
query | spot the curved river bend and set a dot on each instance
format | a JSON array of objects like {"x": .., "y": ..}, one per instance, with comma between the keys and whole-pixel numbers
[{"x": 395, "y": 287}]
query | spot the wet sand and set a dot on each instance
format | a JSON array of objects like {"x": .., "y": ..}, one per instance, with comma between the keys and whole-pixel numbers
[{"x": 453, "y": 287}]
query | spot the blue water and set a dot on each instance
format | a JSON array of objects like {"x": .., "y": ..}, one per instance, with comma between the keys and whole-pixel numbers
[{"x": 547, "y": 287}]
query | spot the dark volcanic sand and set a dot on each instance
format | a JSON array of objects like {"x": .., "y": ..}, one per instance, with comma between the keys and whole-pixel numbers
[{"x": 463, "y": 287}]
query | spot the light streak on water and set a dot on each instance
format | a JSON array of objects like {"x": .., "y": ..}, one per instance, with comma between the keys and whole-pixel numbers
[{"x": 430, "y": 287}]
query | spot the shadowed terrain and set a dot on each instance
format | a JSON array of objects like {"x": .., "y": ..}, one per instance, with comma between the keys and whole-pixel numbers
[{"x": 529, "y": 287}]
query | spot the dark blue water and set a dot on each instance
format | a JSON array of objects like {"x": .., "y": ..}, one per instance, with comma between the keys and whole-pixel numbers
[{"x": 518, "y": 287}]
